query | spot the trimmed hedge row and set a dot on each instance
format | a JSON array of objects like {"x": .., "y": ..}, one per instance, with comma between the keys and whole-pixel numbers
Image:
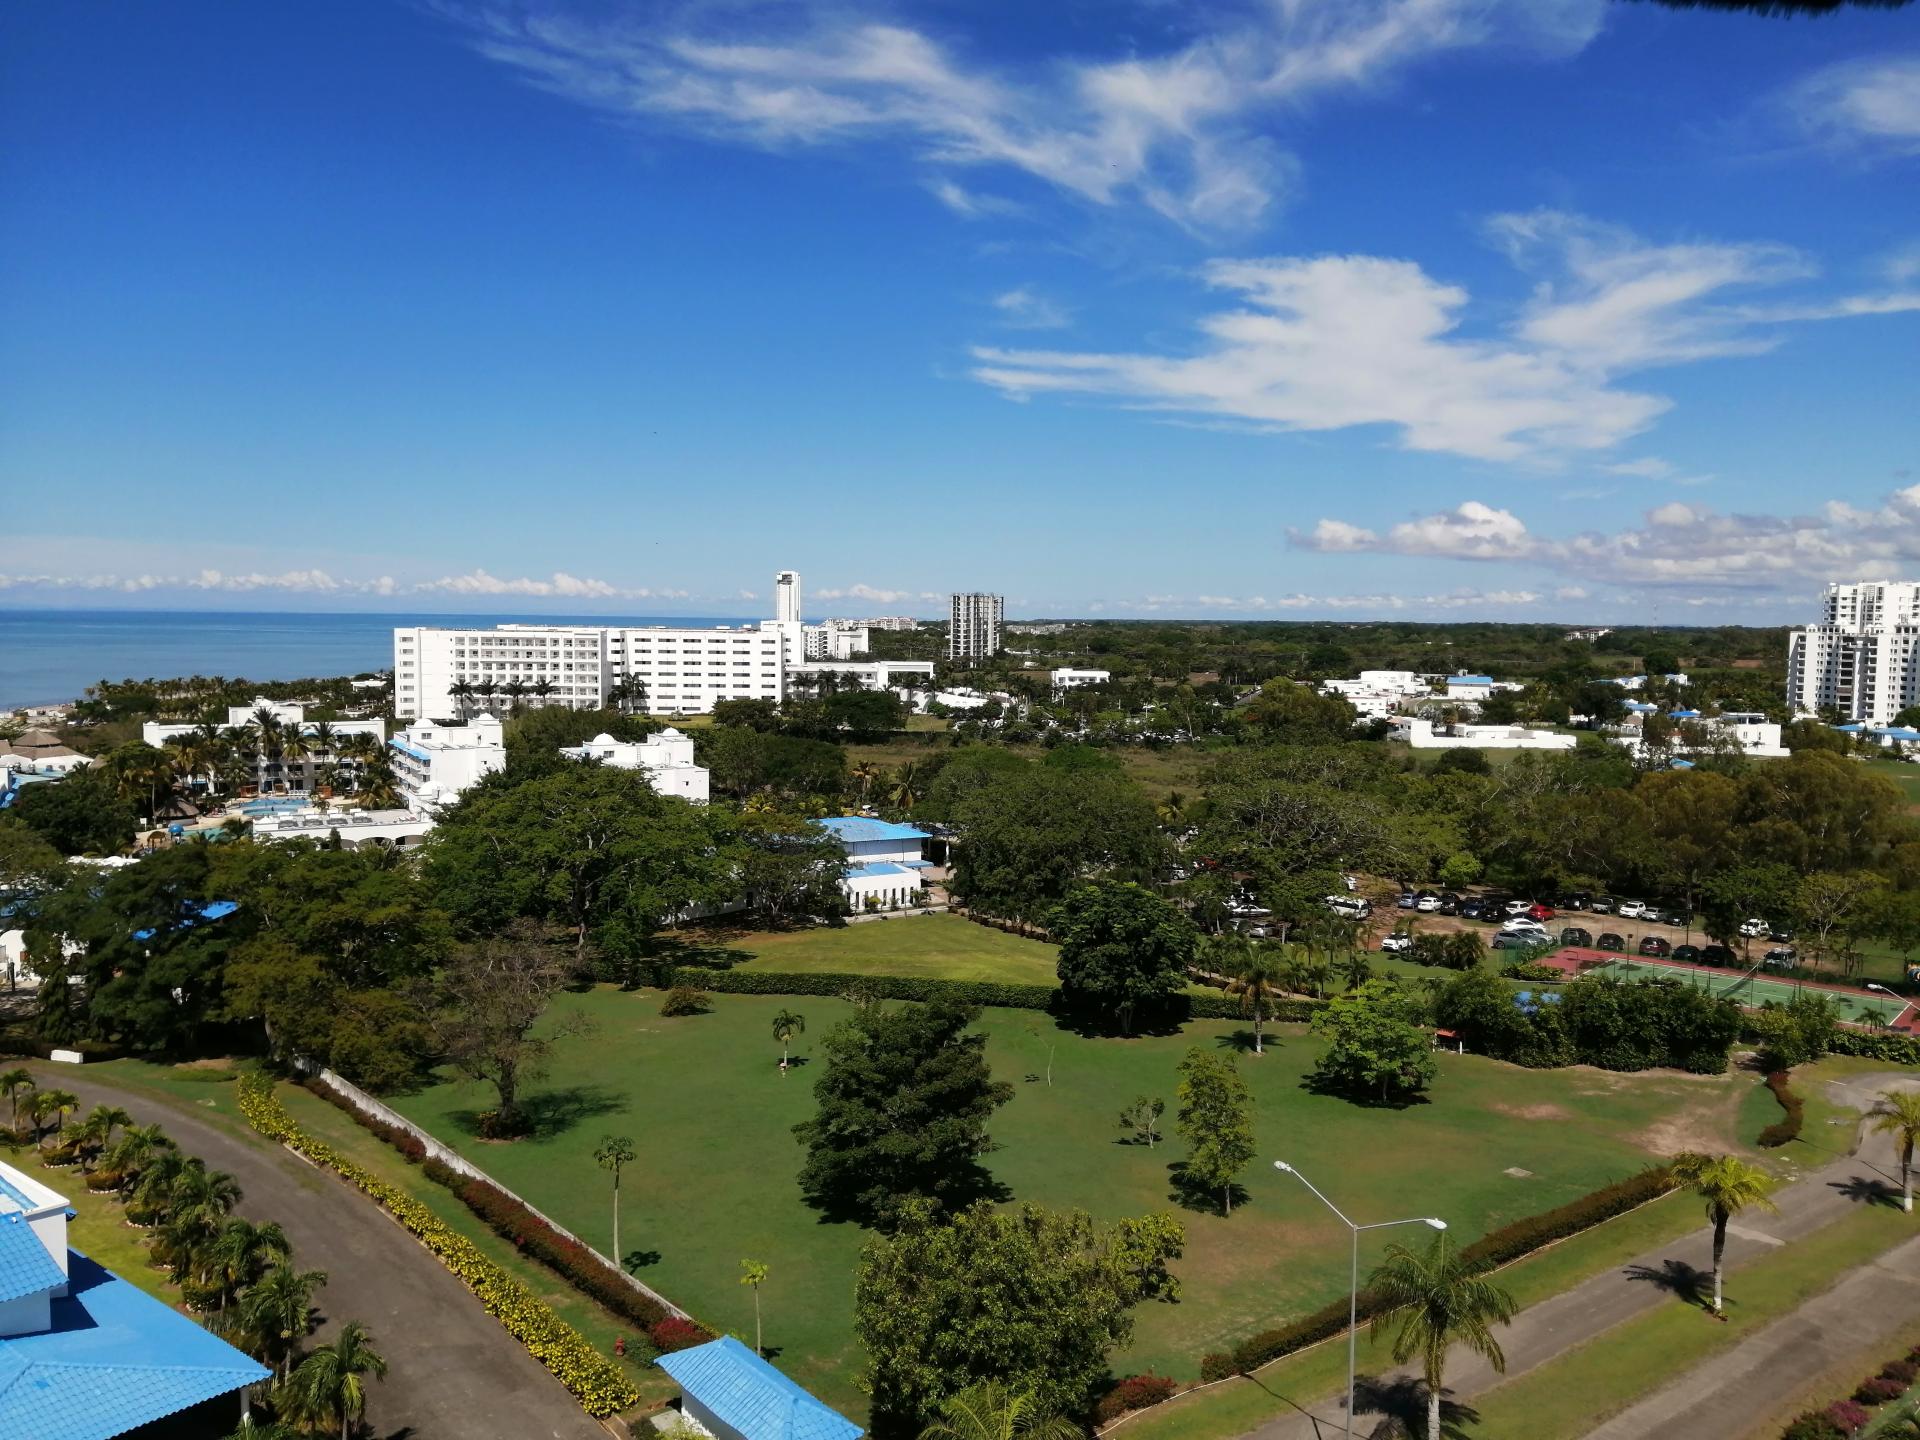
[
  {"x": 964, "y": 992},
  {"x": 1787, "y": 1127},
  {"x": 1847, "y": 1417},
  {"x": 1500, "y": 1247},
  {"x": 600, "y": 1385},
  {"x": 1876, "y": 1045},
  {"x": 1136, "y": 1392}
]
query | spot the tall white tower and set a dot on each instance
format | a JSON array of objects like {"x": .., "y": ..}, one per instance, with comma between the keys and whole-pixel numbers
[{"x": 786, "y": 596}]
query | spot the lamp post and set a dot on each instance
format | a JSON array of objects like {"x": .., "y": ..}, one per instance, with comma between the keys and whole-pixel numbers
[
  {"x": 1876, "y": 985},
  {"x": 1353, "y": 1292}
]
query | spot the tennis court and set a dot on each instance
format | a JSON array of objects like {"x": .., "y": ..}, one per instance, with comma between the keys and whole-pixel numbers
[{"x": 1756, "y": 990}]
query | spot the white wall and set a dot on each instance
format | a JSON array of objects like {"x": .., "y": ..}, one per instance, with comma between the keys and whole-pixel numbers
[{"x": 1420, "y": 735}]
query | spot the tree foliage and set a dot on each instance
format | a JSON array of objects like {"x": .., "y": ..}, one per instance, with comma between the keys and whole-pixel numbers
[
  {"x": 1375, "y": 1053},
  {"x": 1216, "y": 1123},
  {"x": 1122, "y": 949}
]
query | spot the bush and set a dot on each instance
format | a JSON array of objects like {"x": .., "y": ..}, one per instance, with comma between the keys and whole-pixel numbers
[
  {"x": 684, "y": 1000},
  {"x": 1532, "y": 970},
  {"x": 1905, "y": 1371},
  {"x": 1849, "y": 1415},
  {"x": 1787, "y": 1127},
  {"x": 1813, "y": 1426},
  {"x": 1878, "y": 1390},
  {"x": 1877, "y": 1045},
  {"x": 1217, "y": 1365},
  {"x": 674, "y": 1333},
  {"x": 1136, "y": 1392}
]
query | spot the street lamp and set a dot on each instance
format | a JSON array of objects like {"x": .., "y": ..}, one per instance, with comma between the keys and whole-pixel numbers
[{"x": 1353, "y": 1293}]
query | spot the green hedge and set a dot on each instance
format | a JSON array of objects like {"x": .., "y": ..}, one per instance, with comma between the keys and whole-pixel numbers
[
  {"x": 965, "y": 992},
  {"x": 1500, "y": 1247},
  {"x": 1877, "y": 1045}
]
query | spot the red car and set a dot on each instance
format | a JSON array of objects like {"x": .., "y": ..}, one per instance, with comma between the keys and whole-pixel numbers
[{"x": 1540, "y": 911}]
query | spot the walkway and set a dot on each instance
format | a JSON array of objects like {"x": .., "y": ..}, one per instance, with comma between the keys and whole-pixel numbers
[
  {"x": 1542, "y": 1332},
  {"x": 454, "y": 1373}
]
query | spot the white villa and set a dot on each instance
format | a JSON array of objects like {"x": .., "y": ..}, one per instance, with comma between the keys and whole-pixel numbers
[
  {"x": 1421, "y": 735},
  {"x": 434, "y": 763},
  {"x": 667, "y": 759},
  {"x": 40, "y": 753},
  {"x": 886, "y": 862},
  {"x": 1070, "y": 679},
  {"x": 384, "y": 829}
]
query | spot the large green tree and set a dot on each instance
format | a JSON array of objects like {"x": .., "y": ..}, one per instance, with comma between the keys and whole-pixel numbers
[
  {"x": 1030, "y": 1298},
  {"x": 1375, "y": 1052},
  {"x": 1216, "y": 1122},
  {"x": 1122, "y": 949},
  {"x": 83, "y": 814},
  {"x": 904, "y": 1098}
]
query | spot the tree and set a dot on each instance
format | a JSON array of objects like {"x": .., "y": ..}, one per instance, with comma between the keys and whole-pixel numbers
[
  {"x": 484, "y": 1006},
  {"x": 1438, "y": 1300},
  {"x": 240, "y": 1253},
  {"x": 329, "y": 1386},
  {"x": 1121, "y": 947},
  {"x": 1216, "y": 1122},
  {"x": 989, "y": 1410},
  {"x": 56, "y": 1103},
  {"x": 1898, "y": 1115},
  {"x": 1257, "y": 983},
  {"x": 277, "y": 1313},
  {"x": 904, "y": 1099},
  {"x": 134, "y": 1151},
  {"x": 754, "y": 1274},
  {"x": 1142, "y": 1118},
  {"x": 1729, "y": 1186},
  {"x": 786, "y": 1025},
  {"x": 615, "y": 1152},
  {"x": 83, "y": 815},
  {"x": 1031, "y": 1298},
  {"x": 12, "y": 1084},
  {"x": 1374, "y": 1050}
]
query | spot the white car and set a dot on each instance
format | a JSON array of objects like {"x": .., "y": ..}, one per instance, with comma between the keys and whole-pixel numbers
[
  {"x": 1753, "y": 929},
  {"x": 1348, "y": 907},
  {"x": 1519, "y": 907},
  {"x": 1632, "y": 909},
  {"x": 1428, "y": 904},
  {"x": 1397, "y": 943}
]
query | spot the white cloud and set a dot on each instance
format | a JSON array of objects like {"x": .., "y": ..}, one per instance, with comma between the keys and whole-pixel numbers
[
  {"x": 1171, "y": 129},
  {"x": 1025, "y": 309},
  {"x": 877, "y": 594},
  {"x": 971, "y": 204},
  {"x": 477, "y": 582},
  {"x": 1872, "y": 103},
  {"x": 1377, "y": 603},
  {"x": 1338, "y": 341},
  {"x": 1650, "y": 468}
]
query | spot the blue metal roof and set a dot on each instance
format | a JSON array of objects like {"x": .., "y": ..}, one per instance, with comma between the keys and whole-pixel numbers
[
  {"x": 1685, "y": 714},
  {"x": 750, "y": 1395},
  {"x": 1853, "y": 729},
  {"x": 1898, "y": 732},
  {"x": 1469, "y": 679},
  {"x": 25, "y": 1266},
  {"x": 854, "y": 829},
  {"x": 115, "y": 1359},
  {"x": 211, "y": 910}
]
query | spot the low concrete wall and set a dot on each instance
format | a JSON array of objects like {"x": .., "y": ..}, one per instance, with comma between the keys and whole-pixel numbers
[{"x": 366, "y": 1105}]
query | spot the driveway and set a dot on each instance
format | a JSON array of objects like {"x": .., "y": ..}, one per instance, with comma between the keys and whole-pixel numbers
[{"x": 454, "y": 1373}]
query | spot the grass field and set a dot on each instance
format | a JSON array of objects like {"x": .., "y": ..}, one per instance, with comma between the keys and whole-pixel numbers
[
  {"x": 712, "y": 1117},
  {"x": 944, "y": 947}
]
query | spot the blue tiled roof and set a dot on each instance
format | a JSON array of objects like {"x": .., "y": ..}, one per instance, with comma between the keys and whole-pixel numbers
[
  {"x": 25, "y": 1266},
  {"x": 750, "y": 1395},
  {"x": 115, "y": 1359},
  {"x": 212, "y": 910},
  {"x": 1469, "y": 679},
  {"x": 1686, "y": 714},
  {"x": 853, "y": 829}
]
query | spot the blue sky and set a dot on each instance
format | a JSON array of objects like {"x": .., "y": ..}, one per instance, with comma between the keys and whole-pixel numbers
[{"x": 1482, "y": 308}]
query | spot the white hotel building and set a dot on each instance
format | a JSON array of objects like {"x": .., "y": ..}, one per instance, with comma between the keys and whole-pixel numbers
[
  {"x": 684, "y": 669},
  {"x": 1860, "y": 658}
]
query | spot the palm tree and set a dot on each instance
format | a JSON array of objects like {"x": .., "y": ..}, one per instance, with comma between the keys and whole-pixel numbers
[
  {"x": 295, "y": 747},
  {"x": 1438, "y": 1301},
  {"x": 153, "y": 1194},
  {"x": 11, "y": 1084},
  {"x": 240, "y": 1253},
  {"x": 615, "y": 1152},
  {"x": 276, "y": 1314},
  {"x": 93, "y": 1134},
  {"x": 864, "y": 774},
  {"x": 1355, "y": 969},
  {"x": 57, "y": 1103},
  {"x": 197, "y": 1206},
  {"x": 1728, "y": 1185},
  {"x": 134, "y": 1151},
  {"x": 1257, "y": 980},
  {"x": 989, "y": 1410},
  {"x": 253, "y": 1428},
  {"x": 1173, "y": 809},
  {"x": 786, "y": 1025},
  {"x": 753, "y": 1272},
  {"x": 515, "y": 691},
  {"x": 541, "y": 689},
  {"x": 1897, "y": 1115},
  {"x": 328, "y": 1385},
  {"x": 904, "y": 785},
  {"x": 463, "y": 690}
]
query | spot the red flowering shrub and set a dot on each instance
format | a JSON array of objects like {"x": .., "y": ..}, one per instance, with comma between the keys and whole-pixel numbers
[
  {"x": 1905, "y": 1371},
  {"x": 673, "y": 1334},
  {"x": 1878, "y": 1390},
  {"x": 1849, "y": 1415},
  {"x": 1136, "y": 1392}
]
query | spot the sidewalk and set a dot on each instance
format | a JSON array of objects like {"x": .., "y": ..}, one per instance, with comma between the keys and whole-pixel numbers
[{"x": 1543, "y": 1331}]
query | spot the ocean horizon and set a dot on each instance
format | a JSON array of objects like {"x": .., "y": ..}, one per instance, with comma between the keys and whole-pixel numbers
[{"x": 50, "y": 657}]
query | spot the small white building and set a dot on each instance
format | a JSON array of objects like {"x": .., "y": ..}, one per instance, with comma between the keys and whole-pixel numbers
[
  {"x": 961, "y": 699},
  {"x": 871, "y": 674},
  {"x": 358, "y": 829},
  {"x": 40, "y": 752},
  {"x": 1377, "y": 694},
  {"x": 1633, "y": 683},
  {"x": 1469, "y": 687},
  {"x": 434, "y": 763},
  {"x": 886, "y": 862},
  {"x": 1069, "y": 679},
  {"x": 1420, "y": 734},
  {"x": 666, "y": 757}
]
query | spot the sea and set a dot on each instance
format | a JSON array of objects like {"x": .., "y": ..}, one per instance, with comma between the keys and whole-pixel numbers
[{"x": 50, "y": 656}]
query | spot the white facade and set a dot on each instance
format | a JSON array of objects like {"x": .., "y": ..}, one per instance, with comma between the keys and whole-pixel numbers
[
  {"x": 25, "y": 1201},
  {"x": 1420, "y": 735},
  {"x": 1068, "y": 679},
  {"x": 667, "y": 759},
  {"x": 1469, "y": 687},
  {"x": 872, "y": 674},
  {"x": 297, "y": 772},
  {"x": 357, "y": 829},
  {"x": 1377, "y": 694},
  {"x": 881, "y": 622},
  {"x": 1751, "y": 731},
  {"x": 973, "y": 625},
  {"x": 1860, "y": 658},
  {"x": 835, "y": 640},
  {"x": 434, "y": 763}
]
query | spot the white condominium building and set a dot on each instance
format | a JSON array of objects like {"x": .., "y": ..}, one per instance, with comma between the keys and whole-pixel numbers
[
  {"x": 434, "y": 763},
  {"x": 1860, "y": 658},
  {"x": 973, "y": 626},
  {"x": 667, "y": 759},
  {"x": 1070, "y": 679}
]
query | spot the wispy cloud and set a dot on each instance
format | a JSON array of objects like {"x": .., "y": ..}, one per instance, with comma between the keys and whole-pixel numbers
[
  {"x": 879, "y": 595},
  {"x": 1380, "y": 603},
  {"x": 476, "y": 582},
  {"x": 1338, "y": 341},
  {"x": 1026, "y": 309},
  {"x": 1871, "y": 104},
  {"x": 1171, "y": 128}
]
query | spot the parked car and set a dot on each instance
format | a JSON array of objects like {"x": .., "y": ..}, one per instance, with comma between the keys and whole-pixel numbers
[
  {"x": 1473, "y": 908},
  {"x": 1518, "y": 940},
  {"x": 1610, "y": 941},
  {"x": 1405, "y": 899},
  {"x": 1781, "y": 957},
  {"x": 1396, "y": 942},
  {"x": 1687, "y": 954},
  {"x": 1348, "y": 907},
  {"x": 1427, "y": 903},
  {"x": 1753, "y": 929},
  {"x": 1517, "y": 907},
  {"x": 1574, "y": 935},
  {"x": 1779, "y": 933},
  {"x": 1631, "y": 909},
  {"x": 1653, "y": 916},
  {"x": 1601, "y": 905},
  {"x": 1656, "y": 947},
  {"x": 1540, "y": 911},
  {"x": 1575, "y": 901},
  {"x": 1535, "y": 932},
  {"x": 1715, "y": 955},
  {"x": 1449, "y": 903}
]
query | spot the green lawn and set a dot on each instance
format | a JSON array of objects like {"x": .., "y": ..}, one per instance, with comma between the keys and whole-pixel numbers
[
  {"x": 97, "y": 1228},
  {"x": 712, "y": 1117},
  {"x": 944, "y": 947}
]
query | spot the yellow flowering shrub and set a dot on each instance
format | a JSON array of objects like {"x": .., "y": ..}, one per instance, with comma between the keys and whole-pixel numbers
[{"x": 600, "y": 1385}]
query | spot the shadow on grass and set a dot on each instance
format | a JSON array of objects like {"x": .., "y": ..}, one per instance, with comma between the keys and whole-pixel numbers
[
  {"x": 850, "y": 1199},
  {"x": 1401, "y": 1402},
  {"x": 1365, "y": 1099},
  {"x": 1208, "y": 1199},
  {"x": 1868, "y": 1190},
  {"x": 553, "y": 1112},
  {"x": 695, "y": 950},
  {"x": 639, "y": 1259},
  {"x": 1685, "y": 1282}
]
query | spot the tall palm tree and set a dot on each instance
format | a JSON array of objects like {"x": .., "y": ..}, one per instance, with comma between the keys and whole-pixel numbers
[
  {"x": 1438, "y": 1300},
  {"x": 1897, "y": 1115},
  {"x": 1728, "y": 1185},
  {"x": 463, "y": 690},
  {"x": 135, "y": 1149},
  {"x": 93, "y": 1134},
  {"x": 786, "y": 1025},
  {"x": 329, "y": 1386},
  {"x": 240, "y": 1253},
  {"x": 11, "y": 1084},
  {"x": 990, "y": 1410},
  {"x": 616, "y": 1152},
  {"x": 904, "y": 786},
  {"x": 1355, "y": 969},
  {"x": 515, "y": 691},
  {"x": 754, "y": 1273},
  {"x": 295, "y": 747},
  {"x": 1257, "y": 981},
  {"x": 542, "y": 689},
  {"x": 196, "y": 1208},
  {"x": 276, "y": 1314},
  {"x": 864, "y": 774},
  {"x": 57, "y": 1103},
  {"x": 153, "y": 1193}
]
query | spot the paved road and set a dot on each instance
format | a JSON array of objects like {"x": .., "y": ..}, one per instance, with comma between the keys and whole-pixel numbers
[
  {"x": 1543, "y": 1331},
  {"x": 454, "y": 1373}
]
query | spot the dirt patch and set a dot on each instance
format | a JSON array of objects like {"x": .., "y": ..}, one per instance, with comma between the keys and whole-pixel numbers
[
  {"x": 1542, "y": 1111},
  {"x": 1703, "y": 1127},
  {"x": 220, "y": 1062}
]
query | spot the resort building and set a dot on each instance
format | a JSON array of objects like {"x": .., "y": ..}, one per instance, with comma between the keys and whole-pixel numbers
[
  {"x": 1422, "y": 735},
  {"x": 729, "y": 1392},
  {"x": 872, "y": 674},
  {"x": 40, "y": 752},
  {"x": 434, "y": 763},
  {"x": 973, "y": 625},
  {"x": 881, "y": 622},
  {"x": 667, "y": 759},
  {"x": 278, "y": 762},
  {"x": 886, "y": 863},
  {"x": 83, "y": 1354},
  {"x": 1860, "y": 658},
  {"x": 835, "y": 640},
  {"x": 1068, "y": 679},
  {"x": 1377, "y": 694},
  {"x": 355, "y": 829},
  {"x": 1469, "y": 687}
]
